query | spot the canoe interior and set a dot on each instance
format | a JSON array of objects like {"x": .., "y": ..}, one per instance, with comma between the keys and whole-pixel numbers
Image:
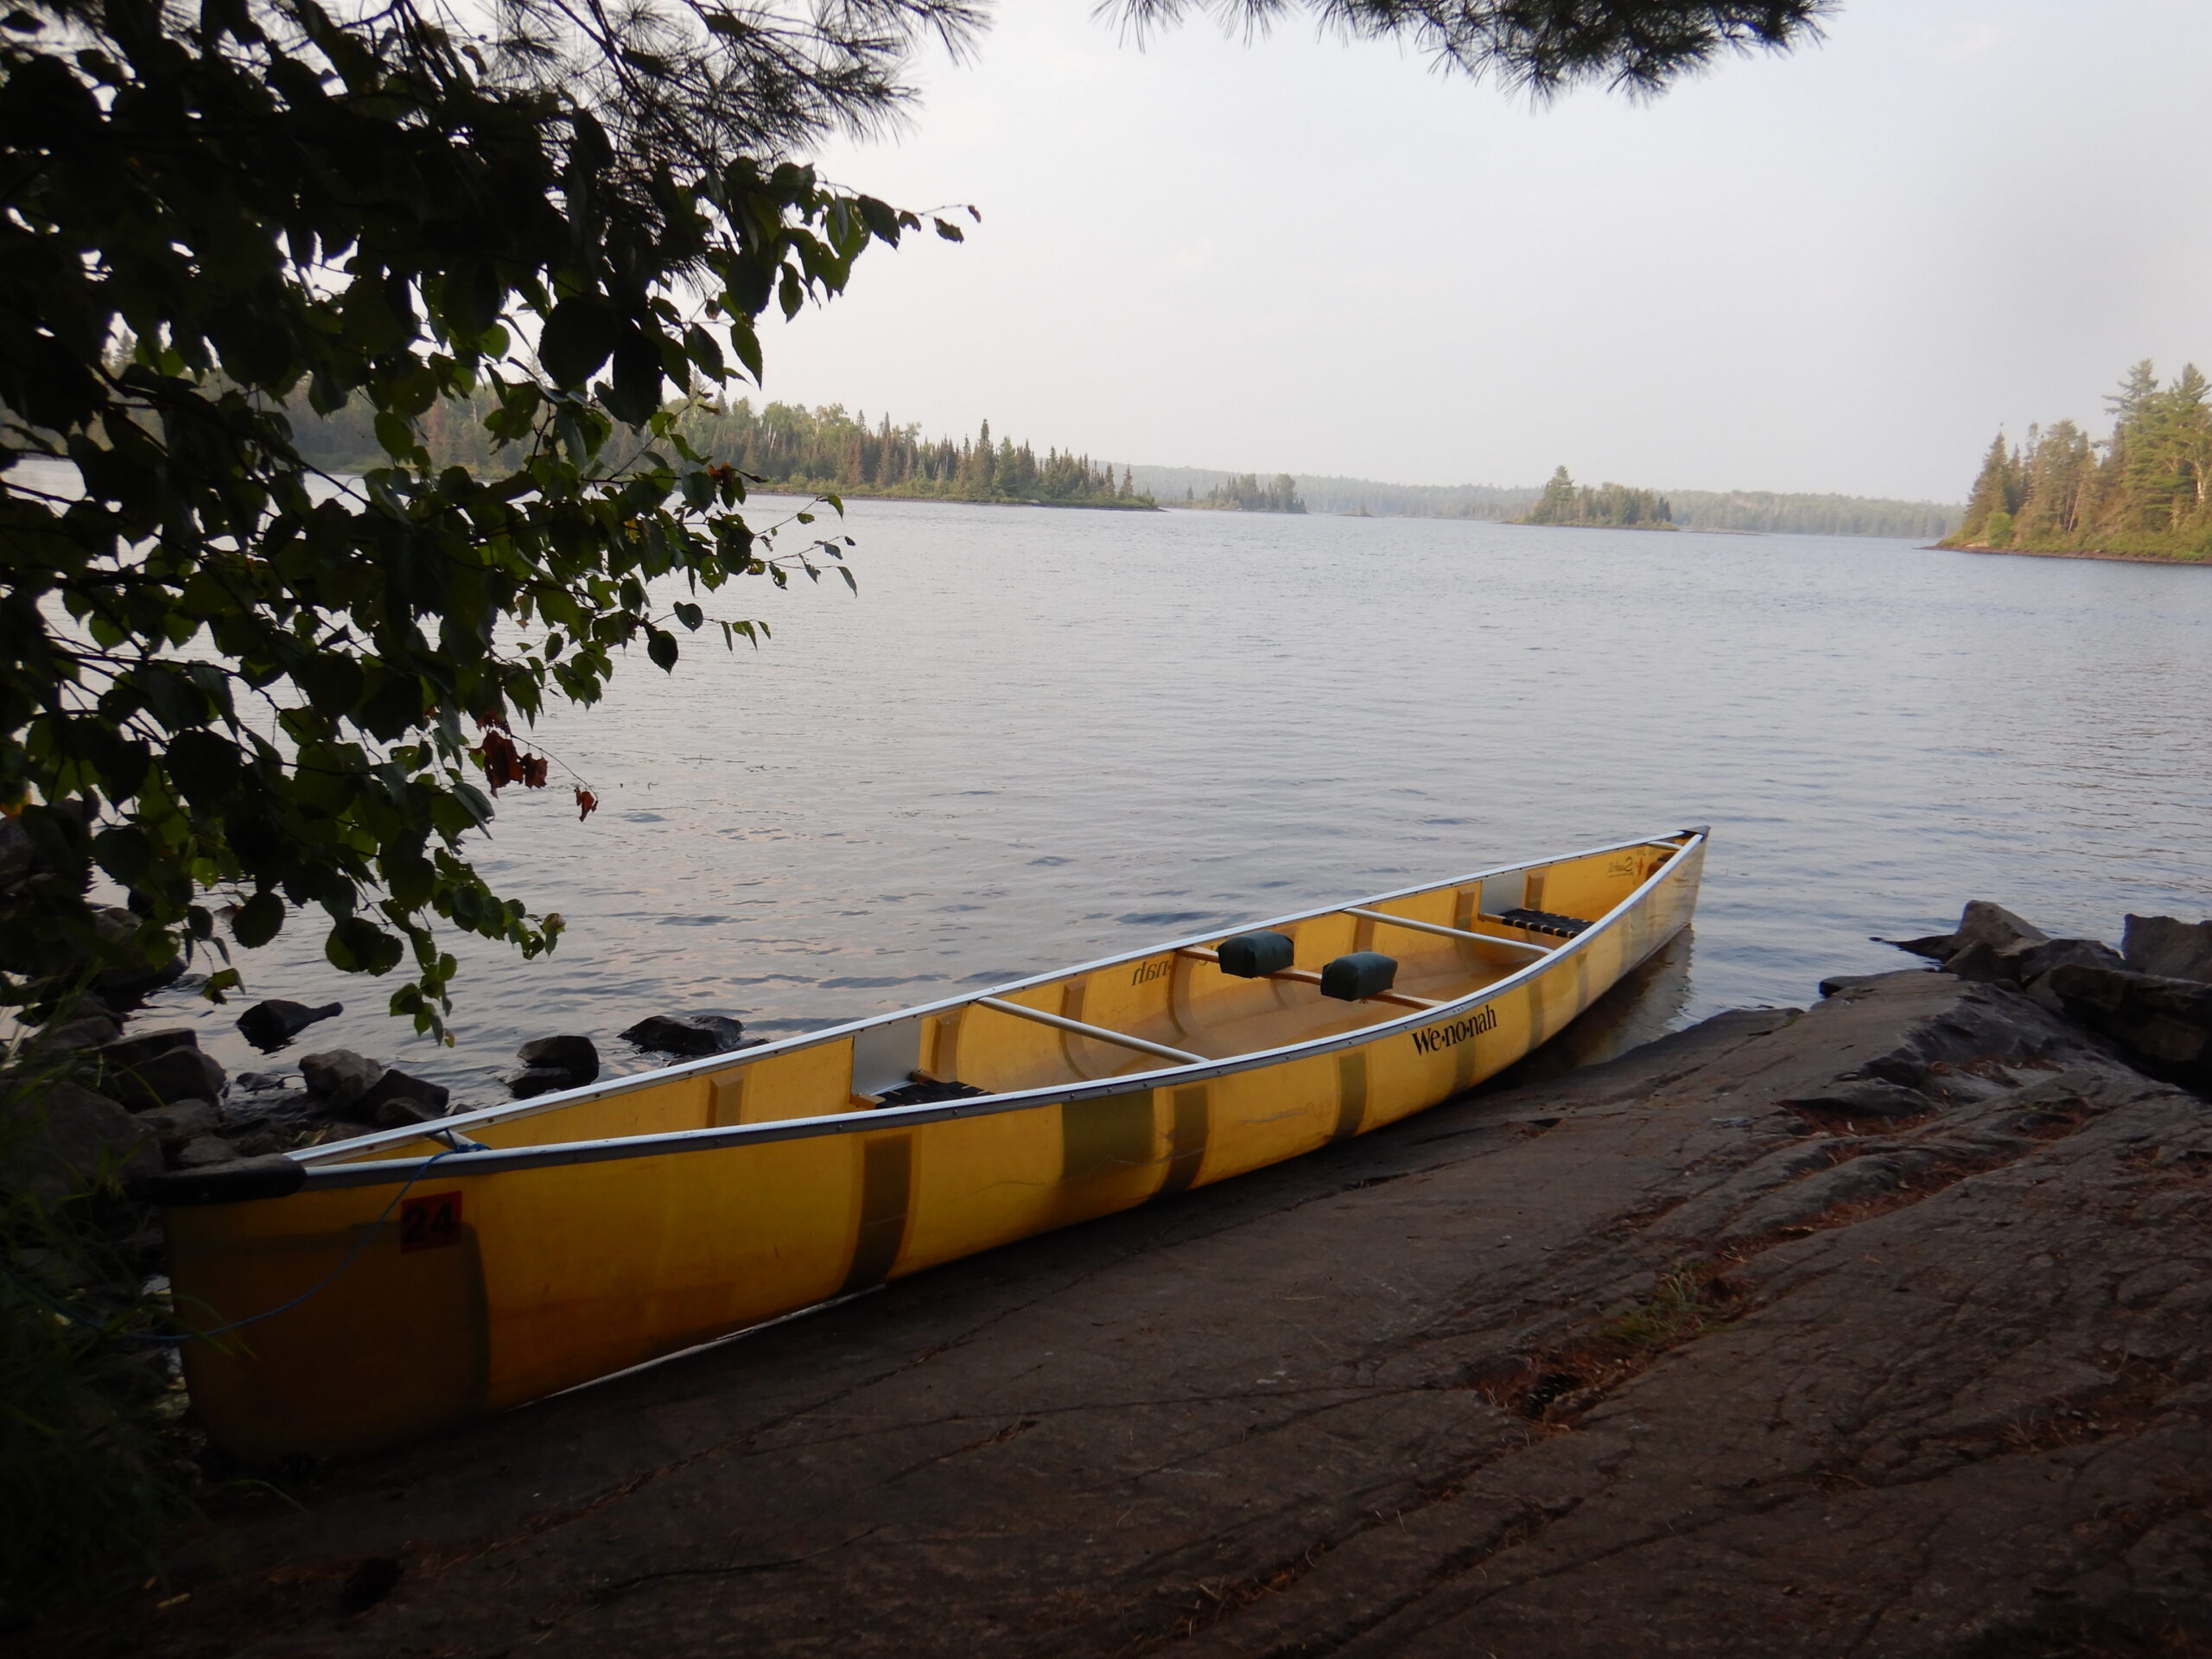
[
  {"x": 1162, "y": 995},
  {"x": 388, "y": 1299}
]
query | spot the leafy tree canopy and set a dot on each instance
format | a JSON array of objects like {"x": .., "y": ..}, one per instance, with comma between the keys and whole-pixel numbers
[{"x": 242, "y": 688}]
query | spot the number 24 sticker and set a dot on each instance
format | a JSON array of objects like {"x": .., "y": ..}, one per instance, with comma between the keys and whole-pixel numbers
[{"x": 430, "y": 1222}]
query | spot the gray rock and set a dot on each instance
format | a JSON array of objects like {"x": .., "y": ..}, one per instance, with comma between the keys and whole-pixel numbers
[
  {"x": 1935, "y": 946},
  {"x": 270, "y": 1026},
  {"x": 536, "y": 1080},
  {"x": 187, "y": 1120},
  {"x": 343, "y": 1129},
  {"x": 2000, "y": 949},
  {"x": 1837, "y": 984},
  {"x": 2038, "y": 960},
  {"x": 202, "y": 1151},
  {"x": 1980, "y": 964},
  {"x": 400, "y": 1111},
  {"x": 130, "y": 1051},
  {"x": 2170, "y": 949},
  {"x": 84, "y": 1031},
  {"x": 1997, "y": 927},
  {"x": 396, "y": 1084},
  {"x": 2165, "y": 1025},
  {"x": 339, "y": 1075},
  {"x": 1868, "y": 1098},
  {"x": 75, "y": 1140},
  {"x": 175, "y": 1073},
  {"x": 576, "y": 1056},
  {"x": 689, "y": 1034}
]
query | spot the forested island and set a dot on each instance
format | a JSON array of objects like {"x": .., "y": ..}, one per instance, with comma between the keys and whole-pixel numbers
[
  {"x": 787, "y": 447},
  {"x": 2144, "y": 492},
  {"x": 1248, "y": 493},
  {"x": 1754, "y": 512},
  {"x": 1609, "y": 506}
]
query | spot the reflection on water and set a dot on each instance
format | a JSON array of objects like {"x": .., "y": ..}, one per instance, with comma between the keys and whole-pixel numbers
[{"x": 1038, "y": 737}]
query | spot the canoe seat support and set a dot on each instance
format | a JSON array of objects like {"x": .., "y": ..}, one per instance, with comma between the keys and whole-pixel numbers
[
  {"x": 1542, "y": 921},
  {"x": 1098, "y": 1033}
]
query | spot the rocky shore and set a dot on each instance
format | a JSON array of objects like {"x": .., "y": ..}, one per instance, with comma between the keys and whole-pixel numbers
[{"x": 1874, "y": 1328}]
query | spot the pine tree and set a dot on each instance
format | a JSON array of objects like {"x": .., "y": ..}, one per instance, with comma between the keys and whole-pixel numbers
[
  {"x": 1557, "y": 505},
  {"x": 1993, "y": 490}
]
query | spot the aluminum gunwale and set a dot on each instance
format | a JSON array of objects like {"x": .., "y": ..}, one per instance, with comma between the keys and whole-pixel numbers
[
  {"x": 490, "y": 1161},
  {"x": 515, "y": 1111}
]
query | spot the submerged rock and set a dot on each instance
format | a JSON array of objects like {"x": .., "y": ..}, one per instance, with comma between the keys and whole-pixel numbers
[
  {"x": 270, "y": 1026},
  {"x": 689, "y": 1035},
  {"x": 551, "y": 1064},
  {"x": 533, "y": 1081}
]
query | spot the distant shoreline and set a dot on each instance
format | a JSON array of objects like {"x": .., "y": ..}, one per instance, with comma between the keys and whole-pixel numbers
[
  {"x": 2044, "y": 553},
  {"x": 783, "y": 488},
  {"x": 1540, "y": 524}
]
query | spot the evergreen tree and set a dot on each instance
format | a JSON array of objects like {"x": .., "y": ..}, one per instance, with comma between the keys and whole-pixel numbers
[
  {"x": 1557, "y": 505},
  {"x": 2148, "y": 495},
  {"x": 1995, "y": 489}
]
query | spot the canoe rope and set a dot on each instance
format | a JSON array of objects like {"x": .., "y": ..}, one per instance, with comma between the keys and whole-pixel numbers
[{"x": 161, "y": 1338}]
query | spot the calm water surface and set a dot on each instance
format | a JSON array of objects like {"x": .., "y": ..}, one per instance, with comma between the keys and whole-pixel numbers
[{"x": 1040, "y": 736}]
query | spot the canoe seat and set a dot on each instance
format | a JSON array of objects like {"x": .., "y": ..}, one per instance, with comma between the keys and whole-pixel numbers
[
  {"x": 1361, "y": 975},
  {"x": 1543, "y": 921},
  {"x": 1256, "y": 956}
]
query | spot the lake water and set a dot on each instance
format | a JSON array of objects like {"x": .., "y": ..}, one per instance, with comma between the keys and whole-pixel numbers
[{"x": 1040, "y": 736}]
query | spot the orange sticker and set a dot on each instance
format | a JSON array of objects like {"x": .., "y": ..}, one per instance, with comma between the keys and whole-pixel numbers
[{"x": 430, "y": 1222}]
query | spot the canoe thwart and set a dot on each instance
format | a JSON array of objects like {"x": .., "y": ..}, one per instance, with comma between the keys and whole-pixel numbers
[
  {"x": 1181, "y": 1057},
  {"x": 1444, "y": 933}
]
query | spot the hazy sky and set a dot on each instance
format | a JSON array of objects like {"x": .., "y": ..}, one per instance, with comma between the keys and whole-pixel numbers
[{"x": 1835, "y": 270}]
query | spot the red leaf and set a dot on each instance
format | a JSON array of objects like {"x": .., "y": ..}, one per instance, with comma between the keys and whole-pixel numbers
[
  {"x": 502, "y": 763},
  {"x": 586, "y": 801}
]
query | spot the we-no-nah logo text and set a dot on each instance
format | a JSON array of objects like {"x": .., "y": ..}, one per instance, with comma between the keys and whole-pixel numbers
[{"x": 1482, "y": 1019}]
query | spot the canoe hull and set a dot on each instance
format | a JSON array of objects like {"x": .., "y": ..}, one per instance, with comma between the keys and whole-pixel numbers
[{"x": 467, "y": 1293}]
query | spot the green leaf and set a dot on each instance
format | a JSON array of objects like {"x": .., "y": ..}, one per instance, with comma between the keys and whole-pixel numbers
[
  {"x": 257, "y": 921},
  {"x": 660, "y": 646},
  {"x": 690, "y": 614},
  {"x": 360, "y": 946},
  {"x": 578, "y": 337}
]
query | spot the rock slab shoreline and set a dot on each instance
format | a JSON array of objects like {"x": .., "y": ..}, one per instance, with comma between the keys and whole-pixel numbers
[{"x": 1710, "y": 1350}]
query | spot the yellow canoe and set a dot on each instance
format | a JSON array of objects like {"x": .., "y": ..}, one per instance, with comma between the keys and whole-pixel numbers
[{"x": 368, "y": 1292}]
